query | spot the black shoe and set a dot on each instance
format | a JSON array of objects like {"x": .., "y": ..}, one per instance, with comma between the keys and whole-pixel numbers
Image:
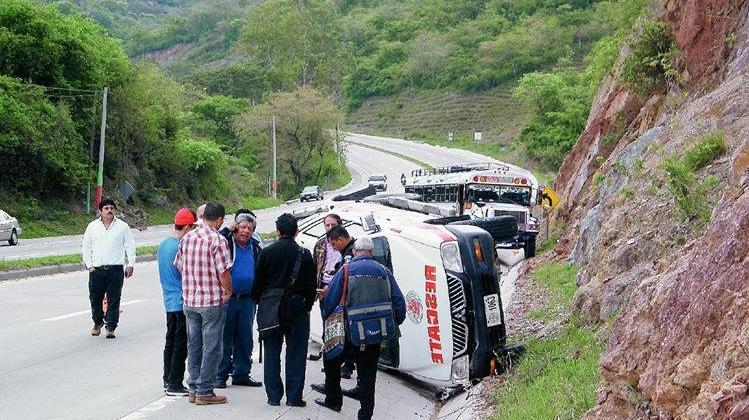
[
  {"x": 110, "y": 333},
  {"x": 354, "y": 393},
  {"x": 246, "y": 382},
  {"x": 221, "y": 384},
  {"x": 346, "y": 372},
  {"x": 314, "y": 357},
  {"x": 274, "y": 403},
  {"x": 318, "y": 387},
  {"x": 322, "y": 402},
  {"x": 300, "y": 403},
  {"x": 177, "y": 391}
]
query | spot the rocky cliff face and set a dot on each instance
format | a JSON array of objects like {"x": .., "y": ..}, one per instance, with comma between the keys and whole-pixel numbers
[{"x": 676, "y": 295}]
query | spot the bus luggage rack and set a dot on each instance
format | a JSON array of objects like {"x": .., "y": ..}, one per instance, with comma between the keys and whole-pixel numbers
[{"x": 468, "y": 167}]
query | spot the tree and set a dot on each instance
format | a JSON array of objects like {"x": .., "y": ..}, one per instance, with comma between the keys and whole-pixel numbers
[
  {"x": 305, "y": 132},
  {"x": 297, "y": 40}
]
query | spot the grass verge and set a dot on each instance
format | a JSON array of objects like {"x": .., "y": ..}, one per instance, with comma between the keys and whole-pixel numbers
[
  {"x": 390, "y": 152},
  {"x": 59, "y": 259},
  {"x": 556, "y": 378}
]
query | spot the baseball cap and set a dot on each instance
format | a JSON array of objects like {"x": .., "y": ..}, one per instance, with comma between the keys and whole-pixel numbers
[{"x": 184, "y": 217}]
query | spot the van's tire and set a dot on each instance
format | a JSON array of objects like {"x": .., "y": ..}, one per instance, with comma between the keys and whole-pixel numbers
[
  {"x": 13, "y": 238},
  {"x": 501, "y": 228},
  {"x": 530, "y": 247}
]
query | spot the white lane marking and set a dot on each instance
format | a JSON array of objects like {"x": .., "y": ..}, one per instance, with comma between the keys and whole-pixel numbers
[
  {"x": 87, "y": 311},
  {"x": 152, "y": 408}
]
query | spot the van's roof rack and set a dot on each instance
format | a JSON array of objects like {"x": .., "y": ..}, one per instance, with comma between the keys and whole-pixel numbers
[{"x": 466, "y": 167}]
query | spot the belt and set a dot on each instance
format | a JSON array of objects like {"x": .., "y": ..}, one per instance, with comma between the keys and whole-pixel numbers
[
  {"x": 240, "y": 295},
  {"x": 109, "y": 267}
]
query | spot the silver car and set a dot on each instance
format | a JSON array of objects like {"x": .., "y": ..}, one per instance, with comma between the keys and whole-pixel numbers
[{"x": 10, "y": 230}]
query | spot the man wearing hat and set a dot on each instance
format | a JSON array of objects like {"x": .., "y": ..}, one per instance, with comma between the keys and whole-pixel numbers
[
  {"x": 175, "y": 348},
  {"x": 109, "y": 255}
]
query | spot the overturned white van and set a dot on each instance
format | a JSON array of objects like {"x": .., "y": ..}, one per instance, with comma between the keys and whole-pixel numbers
[{"x": 454, "y": 330}]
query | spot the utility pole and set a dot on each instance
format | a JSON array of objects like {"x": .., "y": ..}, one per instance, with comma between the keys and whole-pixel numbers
[
  {"x": 275, "y": 179},
  {"x": 100, "y": 173}
]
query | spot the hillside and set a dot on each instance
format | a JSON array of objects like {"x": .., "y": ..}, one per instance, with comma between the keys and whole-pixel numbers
[
  {"x": 415, "y": 67},
  {"x": 656, "y": 217}
]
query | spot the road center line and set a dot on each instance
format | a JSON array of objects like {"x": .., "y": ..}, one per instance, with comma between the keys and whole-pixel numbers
[{"x": 87, "y": 311}]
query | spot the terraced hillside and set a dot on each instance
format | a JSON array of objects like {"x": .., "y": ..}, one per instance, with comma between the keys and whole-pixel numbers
[{"x": 495, "y": 113}]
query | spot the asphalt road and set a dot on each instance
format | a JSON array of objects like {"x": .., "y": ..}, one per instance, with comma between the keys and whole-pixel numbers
[
  {"x": 52, "y": 368},
  {"x": 360, "y": 160}
]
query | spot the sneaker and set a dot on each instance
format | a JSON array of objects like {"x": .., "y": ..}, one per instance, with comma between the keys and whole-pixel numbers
[
  {"x": 318, "y": 387},
  {"x": 209, "y": 399},
  {"x": 96, "y": 330},
  {"x": 246, "y": 382},
  {"x": 273, "y": 403},
  {"x": 354, "y": 393},
  {"x": 191, "y": 397},
  {"x": 177, "y": 392},
  {"x": 221, "y": 384},
  {"x": 300, "y": 403},
  {"x": 110, "y": 333}
]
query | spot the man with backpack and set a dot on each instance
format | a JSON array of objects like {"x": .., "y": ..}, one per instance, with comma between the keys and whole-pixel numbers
[
  {"x": 285, "y": 289},
  {"x": 374, "y": 306}
]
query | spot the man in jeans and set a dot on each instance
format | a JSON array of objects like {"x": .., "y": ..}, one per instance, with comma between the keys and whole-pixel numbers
[
  {"x": 109, "y": 254},
  {"x": 240, "y": 312},
  {"x": 204, "y": 260},
  {"x": 175, "y": 347}
]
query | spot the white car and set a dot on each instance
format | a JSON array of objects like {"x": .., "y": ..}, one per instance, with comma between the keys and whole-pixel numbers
[
  {"x": 454, "y": 330},
  {"x": 10, "y": 229}
]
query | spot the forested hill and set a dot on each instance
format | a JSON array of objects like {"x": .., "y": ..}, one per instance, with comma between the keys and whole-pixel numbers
[{"x": 414, "y": 67}]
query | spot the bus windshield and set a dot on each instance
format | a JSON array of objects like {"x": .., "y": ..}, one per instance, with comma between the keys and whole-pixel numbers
[{"x": 494, "y": 193}]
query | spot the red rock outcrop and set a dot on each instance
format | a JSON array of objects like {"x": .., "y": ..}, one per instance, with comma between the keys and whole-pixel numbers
[{"x": 678, "y": 296}]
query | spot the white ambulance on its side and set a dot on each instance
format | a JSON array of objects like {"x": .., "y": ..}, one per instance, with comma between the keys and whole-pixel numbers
[{"x": 454, "y": 330}]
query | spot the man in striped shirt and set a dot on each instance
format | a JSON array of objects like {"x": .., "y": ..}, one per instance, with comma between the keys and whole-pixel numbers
[{"x": 204, "y": 261}]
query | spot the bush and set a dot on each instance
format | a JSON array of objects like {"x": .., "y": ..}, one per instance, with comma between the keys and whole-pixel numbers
[
  {"x": 694, "y": 198},
  {"x": 649, "y": 65}
]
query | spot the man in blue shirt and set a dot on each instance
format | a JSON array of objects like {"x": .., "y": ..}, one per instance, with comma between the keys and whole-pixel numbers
[
  {"x": 240, "y": 312},
  {"x": 175, "y": 348}
]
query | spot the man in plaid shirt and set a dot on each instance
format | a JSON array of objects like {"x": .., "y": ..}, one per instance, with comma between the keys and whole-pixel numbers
[{"x": 204, "y": 261}]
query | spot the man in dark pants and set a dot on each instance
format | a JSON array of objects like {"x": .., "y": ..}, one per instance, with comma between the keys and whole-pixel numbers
[
  {"x": 344, "y": 243},
  {"x": 175, "y": 346},
  {"x": 369, "y": 282},
  {"x": 109, "y": 255},
  {"x": 274, "y": 270},
  {"x": 240, "y": 312}
]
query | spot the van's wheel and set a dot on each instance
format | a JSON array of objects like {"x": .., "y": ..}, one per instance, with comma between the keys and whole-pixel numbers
[
  {"x": 530, "y": 247},
  {"x": 501, "y": 228},
  {"x": 13, "y": 238}
]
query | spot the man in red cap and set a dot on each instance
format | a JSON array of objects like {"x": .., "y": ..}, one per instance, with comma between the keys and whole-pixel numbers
[{"x": 175, "y": 349}]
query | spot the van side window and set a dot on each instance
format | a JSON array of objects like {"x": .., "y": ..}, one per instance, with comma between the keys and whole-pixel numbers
[
  {"x": 317, "y": 230},
  {"x": 382, "y": 252}
]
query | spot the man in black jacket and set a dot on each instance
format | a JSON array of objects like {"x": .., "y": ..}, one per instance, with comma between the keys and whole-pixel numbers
[{"x": 273, "y": 270}]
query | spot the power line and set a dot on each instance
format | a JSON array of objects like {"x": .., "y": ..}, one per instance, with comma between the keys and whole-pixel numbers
[{"x": 58, "y": 88}]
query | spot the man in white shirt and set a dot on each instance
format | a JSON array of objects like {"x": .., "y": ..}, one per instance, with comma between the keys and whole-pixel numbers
[{"x": 109, "y": 254}]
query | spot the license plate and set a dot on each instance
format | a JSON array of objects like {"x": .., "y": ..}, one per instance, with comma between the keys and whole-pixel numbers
[{"x": 492, "y": 310}]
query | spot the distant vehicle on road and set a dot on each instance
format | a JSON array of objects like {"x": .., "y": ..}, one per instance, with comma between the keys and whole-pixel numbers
[
  {"x": 311, "y": 192},
  {"x": 10, "y": 229},
  {"x": 378, "y": 182}
]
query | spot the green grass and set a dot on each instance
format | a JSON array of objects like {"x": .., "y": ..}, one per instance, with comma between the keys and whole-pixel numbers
[
  {"x": 390, "y": 152},
  {"x": 60, "y": 259},
  {"x": 556, "y": 378}
]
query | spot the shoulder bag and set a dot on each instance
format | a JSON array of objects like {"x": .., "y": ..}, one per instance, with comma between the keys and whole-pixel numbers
[
  {"x": 334, "y": 327},
  {"x": 269, "y": 315}
]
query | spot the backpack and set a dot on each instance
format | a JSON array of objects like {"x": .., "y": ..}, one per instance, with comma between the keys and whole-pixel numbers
[{"x": 372, "y": 322}]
